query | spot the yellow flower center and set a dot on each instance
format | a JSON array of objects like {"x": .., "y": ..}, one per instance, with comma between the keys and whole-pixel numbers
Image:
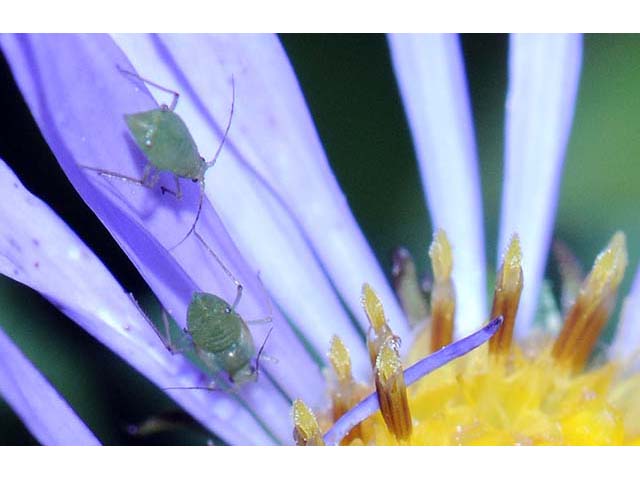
[{"x": 536, "y": 393}]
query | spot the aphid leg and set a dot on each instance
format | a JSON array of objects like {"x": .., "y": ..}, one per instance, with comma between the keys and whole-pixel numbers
[
  {"x": 212, "y": 162},
  {"x": 175, "y": 94},
  {"x": 226, "y": 270},
  {"x": 261, "y": 350},
  {"x": 147, "y": 179},
  {"x": 177, "y": 192},
  {"x": 165, "y": 340}
]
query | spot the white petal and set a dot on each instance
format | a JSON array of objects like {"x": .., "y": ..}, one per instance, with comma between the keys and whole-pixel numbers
[
  {"x": 544, "y": 72},
  {"x": 431, "y": 76}
]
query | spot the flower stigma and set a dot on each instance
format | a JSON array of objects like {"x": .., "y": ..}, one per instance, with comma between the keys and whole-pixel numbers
[{"x": 489, "y": 388}]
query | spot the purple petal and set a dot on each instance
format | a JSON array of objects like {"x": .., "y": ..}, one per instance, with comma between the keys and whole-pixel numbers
[
  {"x": 46, "y": 255},
  {"x": 45, "y": 413},
  {"x": 431, "y": 77},
  {"x": 370, "y": 405},
  {"x": 78, "y": 98},
  {"x": 544, "y": 71},
  {"x": 272, "y": 133},
  {"x": 626, "y": 343}
]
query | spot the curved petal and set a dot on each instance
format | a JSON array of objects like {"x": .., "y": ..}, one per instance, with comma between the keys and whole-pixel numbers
[
  {"x": 314, "y": 246},
  {"x": 45, "y": 413},
  {"x": 626, "y": 343},
  {"x": 78, "y": 97},
  {"x": 46, "y": 255},
  {"x": 430, "y": 73},
  {"x": 544, "y": 72}
]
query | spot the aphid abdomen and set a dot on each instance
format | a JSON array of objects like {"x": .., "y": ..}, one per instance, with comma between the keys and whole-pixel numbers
[
  {"x": 219, "y": 334},
  {"x": 166, "y": 141}
]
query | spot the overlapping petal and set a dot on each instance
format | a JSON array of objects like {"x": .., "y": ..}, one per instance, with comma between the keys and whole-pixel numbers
[
  {"x": 544, "y": 72},
  {"x": 44, "y": 412},
  {"x": 431, "y": 77},
  {"x": 46, "y": 255},
  {"x": 315, "y": 257}
]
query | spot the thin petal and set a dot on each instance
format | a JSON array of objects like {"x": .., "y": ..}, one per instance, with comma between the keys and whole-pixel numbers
[
  {"x": 369, "y": 405},
  {"x": 431, "y": 77},
  {"x": 45, "y": 413},
  {"x": 78, "y": 97},
  {"x": 626, "y": 343},
  {"x": 544, "y": 72},
  {"x": 46, "y": 255},
  {"x": 305, "y": 261}
]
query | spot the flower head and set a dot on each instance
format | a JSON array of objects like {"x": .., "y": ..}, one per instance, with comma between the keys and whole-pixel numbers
[{"x": 280, "y": 212}]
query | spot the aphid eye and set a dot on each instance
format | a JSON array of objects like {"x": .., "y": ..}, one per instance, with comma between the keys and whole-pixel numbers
[
  {"x": 195, "y": 180},
  {"x": 227, "y": 310}
]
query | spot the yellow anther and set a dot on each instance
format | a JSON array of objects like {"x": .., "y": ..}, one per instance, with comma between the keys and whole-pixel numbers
[
  {"x": 441, "y": 256},
  {"x": 507, "y": 296},
  {"x": 443, "y": 299},
  {"x": 392, "y": 392},
  {"x": 306, "y": 430},
  {"x": 340, "y": 360},
  {"x": 373, "y": 308},
  {"x": 407, "y": 287},
  {"x": 590, "y": 312},
  {"x": 380, "y": 331}
]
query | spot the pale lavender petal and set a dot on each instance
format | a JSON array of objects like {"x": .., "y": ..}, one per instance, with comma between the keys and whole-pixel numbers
[
  {"x": 430, "y": 73},
  {"x": 626, "y": 343},
  {"x": 544, "y": 72},
  {"x": 272, "y": 132},
  {"x": 46, "y": 255},
  {"x": 78, "y": 97},
  {"x": 44, "y": 412},
  {"x": 415, "y": 372}
]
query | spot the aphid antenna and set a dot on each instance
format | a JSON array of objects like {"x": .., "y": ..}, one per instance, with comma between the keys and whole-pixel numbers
[
  {"x": 211, "y": 163},
  {"x": 239, "y": 287},
  {"x": 261, "y": 350},
  {"x": 176, "y": 95}
]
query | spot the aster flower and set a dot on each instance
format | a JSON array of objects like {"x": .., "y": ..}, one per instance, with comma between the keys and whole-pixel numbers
[{"x": 277, "y": 202}]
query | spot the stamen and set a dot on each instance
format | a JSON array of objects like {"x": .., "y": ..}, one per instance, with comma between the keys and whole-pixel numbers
[
  {"x": 306, "y": 431},
  {"x": 408, "y": 288},
  {"x": 347, "y": 392},
  {"x": 507, "y": 296},
  {"x": 443, "y": 298},
  {"x": 590, "y": 312},
  {"x": 392, "y": 392},
  {"x": 379, "y": 332},
  {"x": 370, "y": 405}
]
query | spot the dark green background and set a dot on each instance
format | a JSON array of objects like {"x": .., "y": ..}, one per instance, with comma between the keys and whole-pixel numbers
[{"x": 351, "y": 91}]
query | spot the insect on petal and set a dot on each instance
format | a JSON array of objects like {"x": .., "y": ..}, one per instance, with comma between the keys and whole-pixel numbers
[{"x": 321, "y": 252}]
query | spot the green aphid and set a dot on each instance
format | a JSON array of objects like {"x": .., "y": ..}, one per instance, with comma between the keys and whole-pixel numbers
[
  {"x": 169, "y": 147},
  {"x": 217, "y": 334}
]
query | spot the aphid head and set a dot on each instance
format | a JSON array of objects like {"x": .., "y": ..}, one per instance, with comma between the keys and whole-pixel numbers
[{"x": 246, "y": 374}]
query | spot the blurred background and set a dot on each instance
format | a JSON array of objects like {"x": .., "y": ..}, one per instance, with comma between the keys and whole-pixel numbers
[{"x": 351, "y": 91}]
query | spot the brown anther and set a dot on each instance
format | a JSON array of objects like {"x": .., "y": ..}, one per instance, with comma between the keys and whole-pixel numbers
[
  {"x": 589, "y": 314},
  {"x": 443, "y": 297},
  {"x": 392, "y": 392},
  {"x": 408, "y": 288},
  {"x": 306, "y": 431},
  {"x": 379, "y": 331},
  {"x": 506, "y": 297}
]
